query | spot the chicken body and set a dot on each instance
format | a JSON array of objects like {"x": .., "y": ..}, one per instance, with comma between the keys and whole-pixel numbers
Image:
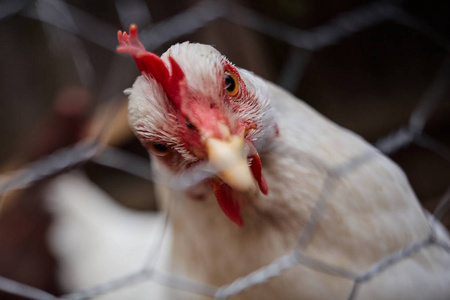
[
  {"x": 222, "y": 228},
  {"x": 370, "y": 209},
  {"x": 371, "y": 213}
]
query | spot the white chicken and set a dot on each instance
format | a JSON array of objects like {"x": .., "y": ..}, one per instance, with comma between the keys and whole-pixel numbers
[{"x": 274, "y": 159}]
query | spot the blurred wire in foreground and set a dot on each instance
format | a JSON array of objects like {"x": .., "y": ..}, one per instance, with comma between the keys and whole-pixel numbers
[{"x": 68, "y": 18}]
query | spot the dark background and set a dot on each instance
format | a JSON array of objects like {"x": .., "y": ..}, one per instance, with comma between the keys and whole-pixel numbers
[{"x": 54, "y": 83}]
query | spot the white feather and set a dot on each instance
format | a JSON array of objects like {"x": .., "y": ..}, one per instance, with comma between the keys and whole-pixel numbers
[{"x": 371, "y": 210}]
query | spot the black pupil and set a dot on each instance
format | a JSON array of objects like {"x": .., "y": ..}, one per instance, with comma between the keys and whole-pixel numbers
[
  {"x": 230, "y": 85},
  {"x": 160, "y": 147},
  {"x": 189, "y": 124}
]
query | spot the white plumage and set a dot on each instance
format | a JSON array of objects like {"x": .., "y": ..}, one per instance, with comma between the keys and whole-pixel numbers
[{"x": 371, "y": 211}]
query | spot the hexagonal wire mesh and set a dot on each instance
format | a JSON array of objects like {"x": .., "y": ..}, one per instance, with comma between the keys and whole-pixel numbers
[{"x": 66, "y": 26}]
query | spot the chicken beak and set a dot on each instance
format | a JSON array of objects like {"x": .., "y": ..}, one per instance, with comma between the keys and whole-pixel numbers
[{"x": 229, "y": 158}]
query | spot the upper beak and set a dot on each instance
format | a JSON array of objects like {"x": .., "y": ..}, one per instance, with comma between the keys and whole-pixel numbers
[{"x": 229, "y": 157}]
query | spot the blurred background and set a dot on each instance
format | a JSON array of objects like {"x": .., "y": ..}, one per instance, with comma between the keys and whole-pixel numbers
[{"x": 366, "y": 65}]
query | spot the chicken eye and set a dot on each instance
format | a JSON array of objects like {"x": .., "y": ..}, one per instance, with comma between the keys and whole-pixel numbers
[
  {"x": 189, "y": 124},
  {"x": 159, "y": 149},
  {"x": 231, "y": 84}
]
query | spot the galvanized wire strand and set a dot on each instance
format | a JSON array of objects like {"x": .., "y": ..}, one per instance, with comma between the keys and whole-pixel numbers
[
  {"x": 124, "y": 161},
  {"x": 133, "y": 12},
  {"x": 63, "y": 42},
  {"x": 154, "y": 254},
  {"x": 431, "y": 98},
  {"x": 396, "y": 140},
  {"x": 91, "y": 28},
  {"x": 184, "y": 284},
  {"x": 390, "y": 260},
  {"x": 413, "y": 132},
  {"x": 112, "y": 285},
  {"x": 137, "y": 166},
  {"x": 59, "y": 161},
  {"x": 257, "y": 277},
  {"x": 433, "y": 145},
  {"x": 294, "y": 68},
  {"x": 181, "y": 24},
  {"x": 321, "y": 36},
  {"x": 10, "y": 8},
  {"x": 354, "y": 290},
  {"x": 443, "y": 206},
  {"x": 407, "y": 19},
  {"x": 23, "y": 290},
  {"x": 142, "y": 275}
]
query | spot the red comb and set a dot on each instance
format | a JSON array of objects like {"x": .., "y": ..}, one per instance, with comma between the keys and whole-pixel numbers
[{"x": 151, "y": 64}]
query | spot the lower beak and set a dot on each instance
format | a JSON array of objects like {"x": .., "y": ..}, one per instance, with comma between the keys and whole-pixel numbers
[{"x": 229, "y": 158}]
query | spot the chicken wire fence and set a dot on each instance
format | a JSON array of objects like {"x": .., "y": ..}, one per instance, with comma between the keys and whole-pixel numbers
[{"x": 61, "y": 23}]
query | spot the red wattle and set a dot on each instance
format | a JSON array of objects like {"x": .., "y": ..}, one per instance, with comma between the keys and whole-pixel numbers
[
  {"x": 256, "y": 168},
  {"x": 228, "y": 200}
]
